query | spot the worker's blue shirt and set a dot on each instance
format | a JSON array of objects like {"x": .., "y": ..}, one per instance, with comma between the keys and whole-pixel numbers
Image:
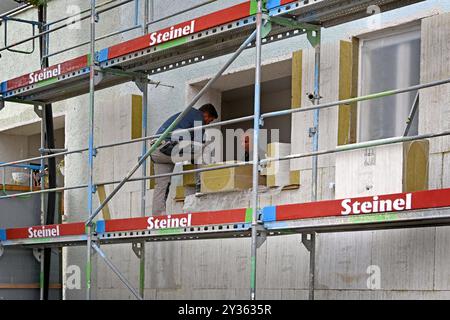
[{"x": 193, "y": 118}]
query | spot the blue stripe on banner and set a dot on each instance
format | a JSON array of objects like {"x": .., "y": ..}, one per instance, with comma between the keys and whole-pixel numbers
[
  {"x": 273, "y": 4},
  {"x": 2, "y": 235},
  {"x": 269, "y": 214},
  {"x": 3, "y": 87},
  {"x": 101, "y": 227},
  {"x": 102, "y": 55}
]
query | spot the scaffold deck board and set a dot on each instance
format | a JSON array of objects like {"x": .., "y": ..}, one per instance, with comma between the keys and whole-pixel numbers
[
  {"x": 189, "y": 42},
  {"x": 416, "y": 209}
]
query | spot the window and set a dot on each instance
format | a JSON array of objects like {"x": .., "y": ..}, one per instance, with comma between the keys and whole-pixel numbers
[
  {"x": 388, "y": 61},
  {"x": 239, "y": 102}
]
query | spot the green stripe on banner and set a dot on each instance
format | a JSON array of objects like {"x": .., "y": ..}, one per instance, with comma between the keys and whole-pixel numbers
[
  {"x": 373, "y": 218},
  {"x": 169, "y": 231},
  {"x": 46, "y": 82},
  {"x": 249, "y": 215},
  {"x": 172, "y": 43},
  {"x": 253, "y": 7},
  {"x": 39, "y": 240}
]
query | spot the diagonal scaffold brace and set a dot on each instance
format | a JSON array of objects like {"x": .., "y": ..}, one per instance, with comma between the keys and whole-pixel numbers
[
  {"x": 173, "y": 125},
  {"x": 111, "y": 265}
]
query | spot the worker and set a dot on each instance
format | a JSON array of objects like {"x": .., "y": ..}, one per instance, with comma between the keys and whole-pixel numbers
[
  {"x": 163, "y": 158},
  {"x": 247, "y": 147},
  {"x": 246, "y": 138}
]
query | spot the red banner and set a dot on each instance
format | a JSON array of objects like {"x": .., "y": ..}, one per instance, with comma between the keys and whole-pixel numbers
[
  {"x": 174, "y": 221},
  {"x": 364, "y": 205},
  {"x": 180, "y": 30},
  {"x": 47, "y": 73},
  {"x": 48, "y": 231},
  {"x": 221, "y": 17},
  {"x": 330, "y": 208}
]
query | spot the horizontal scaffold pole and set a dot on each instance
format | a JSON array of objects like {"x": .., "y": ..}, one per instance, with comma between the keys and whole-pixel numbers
[
  {"x": 242, "y": 119},
  {"x": 262, "y": 162},
  {"x": 372, "y": 96}
]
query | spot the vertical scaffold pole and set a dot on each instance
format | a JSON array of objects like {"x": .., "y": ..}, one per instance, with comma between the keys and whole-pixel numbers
[
  {"x": 256, "y": 125},
  {"x": 42, "y": 181},
  {"x": 315, "y": 129},
  {"x": 315, "y": 159},
  {"x": 144, "y": 164},
  {"x": 91, "y": 150}
]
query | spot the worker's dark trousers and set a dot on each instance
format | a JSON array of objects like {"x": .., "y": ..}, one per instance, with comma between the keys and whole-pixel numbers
[{"x": 163, "y": 164}]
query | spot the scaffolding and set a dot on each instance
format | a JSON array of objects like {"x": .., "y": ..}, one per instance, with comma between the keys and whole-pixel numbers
[{"x": 231, "y": 30}]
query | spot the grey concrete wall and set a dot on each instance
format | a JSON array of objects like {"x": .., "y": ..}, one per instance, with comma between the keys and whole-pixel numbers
[{"x": 412, "y": 262}]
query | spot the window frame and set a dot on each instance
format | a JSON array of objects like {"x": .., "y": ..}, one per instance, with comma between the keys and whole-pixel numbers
[{"x": 375, "y": 35}]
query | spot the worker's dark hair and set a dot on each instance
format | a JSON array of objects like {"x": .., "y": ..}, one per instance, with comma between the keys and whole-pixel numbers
[{"x": 210, "y": 109}]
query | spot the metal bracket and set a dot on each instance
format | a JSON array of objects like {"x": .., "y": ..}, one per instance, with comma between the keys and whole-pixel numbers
[
  {"x": 137, "y": 248},
  {"x": 312, "y": 30},
  {"x": 98, "y": 77},
  {"x": 261, "y": 239},
  {"x": 266, "y": 26},
  {"x": 2, "y": 251},
  {"x": 37, "y": 253},
  {"x": 308, "y": 240},
  {"x": 142, "y": 85},
  {"x": 262, "y": 236},
  {"x": 314, "y": 37},
  {"x": 312, "y": 131},
  {"x": 38, "y": 110}
]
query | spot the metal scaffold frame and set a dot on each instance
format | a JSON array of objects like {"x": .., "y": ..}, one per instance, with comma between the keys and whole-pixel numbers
[{"x": 259, "y": 26}]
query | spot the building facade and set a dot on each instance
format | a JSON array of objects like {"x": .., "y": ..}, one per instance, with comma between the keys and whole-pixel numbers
[{"x": 394, "y": 49}]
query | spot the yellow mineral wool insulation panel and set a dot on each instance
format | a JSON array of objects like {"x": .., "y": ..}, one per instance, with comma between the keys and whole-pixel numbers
[
  {"x": 180, "y": 193},
  {"x": 415, "y": 170},
  {"x": 297, "y": 67},
  {"x": 136, "y": 116},
  {"x": 225, "y": 180},
  {"x": 396, "y": 168},
  {"x": 278, "y": 172},
  {"x": 294, "y": 178},
  {"x": 151, "y": 172},
  {"x": 189, "y": 179},
  {"x": 347, "y": 88}
]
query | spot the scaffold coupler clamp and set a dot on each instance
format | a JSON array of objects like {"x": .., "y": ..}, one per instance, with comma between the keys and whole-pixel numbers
[{"x": 138, "y": 248}]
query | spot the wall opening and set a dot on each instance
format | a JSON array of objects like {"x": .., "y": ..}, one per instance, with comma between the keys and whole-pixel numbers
[{"x": 239, "y": 102}]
